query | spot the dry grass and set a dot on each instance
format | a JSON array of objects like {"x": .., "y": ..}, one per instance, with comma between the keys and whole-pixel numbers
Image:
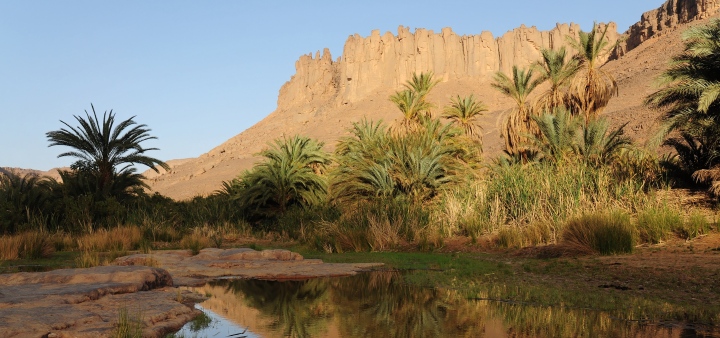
[
  {"x": 122, "y": 238},
  {"x": 195, "y": 242},
  {"x": 26, "y": 245},
  {"x": 87, "y": 259}
]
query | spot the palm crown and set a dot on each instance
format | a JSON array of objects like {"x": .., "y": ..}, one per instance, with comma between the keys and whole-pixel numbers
[{"x": 104, "y": 149}]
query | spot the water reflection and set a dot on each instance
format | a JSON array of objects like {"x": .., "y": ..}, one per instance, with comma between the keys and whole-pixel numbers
[{"x": 381, "y": 304}]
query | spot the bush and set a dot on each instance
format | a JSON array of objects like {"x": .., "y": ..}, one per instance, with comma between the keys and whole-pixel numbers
[
  {"x": 606, "y": 234},
  {"x": 656, "y": 223}
]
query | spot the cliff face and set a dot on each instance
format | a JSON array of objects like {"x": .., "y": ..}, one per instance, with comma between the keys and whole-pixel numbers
[
  {"x": 379, "y": 62},
  {"x": 665, "y": 19}
]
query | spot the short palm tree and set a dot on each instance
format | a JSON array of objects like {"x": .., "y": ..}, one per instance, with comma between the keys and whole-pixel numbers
[
  {"x": 557, "y": 139},
  {"x": 592, "y": 87},
  {"x": 104, "y": 150},
  {"x": 519, "y": 123},
  {"x": 289, "y": 175},
  {"x": 557, "y": 70},
  {"x": 464, "y": 113},
  {"x": 598, "y": 145},
  {"x": 20, "y": 197},
  {"x": 376, "y": 163}
]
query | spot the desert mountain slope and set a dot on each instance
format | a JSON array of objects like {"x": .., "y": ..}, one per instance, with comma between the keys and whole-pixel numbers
[{"x": 325, "y": 97}]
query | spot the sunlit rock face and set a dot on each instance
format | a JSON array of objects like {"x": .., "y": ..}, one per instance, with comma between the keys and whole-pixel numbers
[
  {"x": 377, "y": 62},
  {"x": 665, "y": 19}
]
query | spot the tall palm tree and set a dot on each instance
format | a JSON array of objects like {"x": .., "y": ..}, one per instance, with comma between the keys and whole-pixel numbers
[
  {"x": 104, "y": 150},
  {"x": 691, "y": 97},
  {"x": 464, "y": 113},
  {"x": 422, "y": 84},
  {"x": 556, "y": 69},
  {"x": 519, "y": 123},
  {"x": 289, "y": 175},
  {"x": 592, "y": 87}
]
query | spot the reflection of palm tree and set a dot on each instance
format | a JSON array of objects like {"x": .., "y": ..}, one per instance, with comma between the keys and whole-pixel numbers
[
  {"x": 296, "y": 306},
  {"x": 382, "y": 305}
]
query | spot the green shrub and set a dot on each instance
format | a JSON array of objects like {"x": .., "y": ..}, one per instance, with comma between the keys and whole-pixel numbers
[
  {"x": 656, "y": 223},
  {"x": 606, "y": 234}
]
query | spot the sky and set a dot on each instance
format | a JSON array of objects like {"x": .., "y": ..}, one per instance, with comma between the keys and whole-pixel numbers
[{"x": 200, "y": 72}]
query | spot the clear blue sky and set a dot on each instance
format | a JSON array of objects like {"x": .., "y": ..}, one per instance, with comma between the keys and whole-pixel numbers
[{"x": 199, "y": 72}]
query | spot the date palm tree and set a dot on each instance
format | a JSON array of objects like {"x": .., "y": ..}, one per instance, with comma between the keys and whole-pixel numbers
[
  {"x": 290, "y": 175},
  {"x": 519, "y": 123},
  {"x": 592, "y": 87},
  {"x": 464, "y": 113},
  {"x": 557, "y": 70},
  {"x": 691, "y": 97},
  {"x": 412, "y": 101},
  {"x": 104, "y": 150}
]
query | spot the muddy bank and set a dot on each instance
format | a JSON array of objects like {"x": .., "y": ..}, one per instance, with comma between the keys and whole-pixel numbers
[{"x": 88, "y": 302}]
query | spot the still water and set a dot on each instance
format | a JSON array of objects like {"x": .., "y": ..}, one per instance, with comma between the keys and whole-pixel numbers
[{"x": 381, "y": 304}]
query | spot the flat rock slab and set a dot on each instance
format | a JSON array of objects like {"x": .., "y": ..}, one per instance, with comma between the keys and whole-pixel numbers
[
  {"x": 88, "y": 302},
  {"x": 187, "y": 269}
]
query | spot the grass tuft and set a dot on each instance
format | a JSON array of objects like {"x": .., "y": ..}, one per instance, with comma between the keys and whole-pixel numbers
[
  {"x": 606, "y": 234},
  {"x": 655, "y": 224}
]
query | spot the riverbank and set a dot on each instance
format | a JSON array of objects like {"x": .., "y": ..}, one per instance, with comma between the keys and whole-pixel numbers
[{"x": 670, "y": 282}]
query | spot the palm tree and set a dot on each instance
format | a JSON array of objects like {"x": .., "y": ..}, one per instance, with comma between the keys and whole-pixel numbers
[
  {"x": 290, "y": 175},
  {"x": 558, "y": 71},
  {"x": 412, "y": 101},
  {"x": 691, "y": 97},
  {"x": 376, "y": 163},
  {"x": 464, "y": 112},
  {"x": 422, "y": 84},
  {"x": 104, "y": 150},
  {"x": 591, "y": 87},
  {"x": 519, "y": 123},
  {"x": 411, "y": 106},
  {"x": 558, "y": 130},
  {"x": 20, "y": 198},
  {"x": 598, "y": 145}
]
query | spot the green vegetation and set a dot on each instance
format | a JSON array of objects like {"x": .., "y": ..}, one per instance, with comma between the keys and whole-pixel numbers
[
  {"x": 389, "y": 187},
  {"x": 606, "y": 234}
]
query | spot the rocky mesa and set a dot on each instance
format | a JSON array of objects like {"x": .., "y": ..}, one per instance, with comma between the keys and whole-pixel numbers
[{"x": 325, "y": 96}]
